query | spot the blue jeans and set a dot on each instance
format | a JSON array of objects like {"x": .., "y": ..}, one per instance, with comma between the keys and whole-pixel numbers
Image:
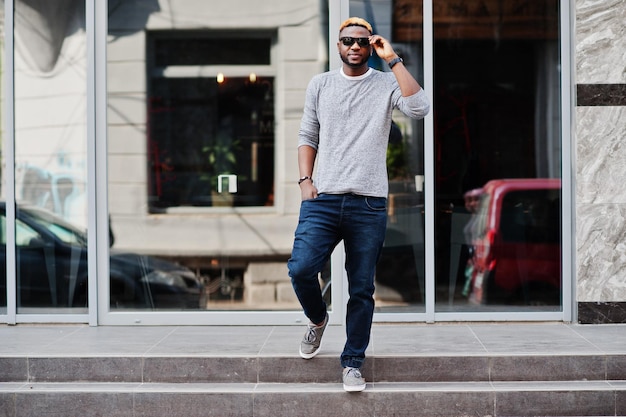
[{"x": 324, "y": 221}]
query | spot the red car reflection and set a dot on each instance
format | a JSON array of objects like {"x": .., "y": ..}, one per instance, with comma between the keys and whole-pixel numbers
[{"x": 517, "y": 249}]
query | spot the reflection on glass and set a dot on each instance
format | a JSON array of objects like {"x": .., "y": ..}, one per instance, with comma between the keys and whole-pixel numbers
[
  {"x": 202, "y": 123},
  {"x": 497, "y": 110},
  {"x": 50, "y": 155},
  {"x": 516, "y": 256},
  {"x": 211, "y": 143},
  {"x": 140, "y": 281},
  {"x": 51, "y": 260}
]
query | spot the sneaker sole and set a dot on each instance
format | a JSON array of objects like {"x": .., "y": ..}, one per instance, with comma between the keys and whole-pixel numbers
[
  {"x": 310, "y": 355},
  {"x": 353, "y": 388}
]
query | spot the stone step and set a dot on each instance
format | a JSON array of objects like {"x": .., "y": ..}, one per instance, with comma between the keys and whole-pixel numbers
[
  {"x": 322, "y": 369},
  {"x": 450, "y": 399}
]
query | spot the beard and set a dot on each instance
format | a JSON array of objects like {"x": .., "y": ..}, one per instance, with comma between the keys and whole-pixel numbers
[{"x": 353, "y": 64}]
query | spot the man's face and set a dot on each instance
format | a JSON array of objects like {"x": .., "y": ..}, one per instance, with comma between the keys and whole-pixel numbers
[{"x": 354, "y": 55}]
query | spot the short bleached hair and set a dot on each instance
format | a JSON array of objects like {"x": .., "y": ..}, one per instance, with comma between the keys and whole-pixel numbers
[{"x": 355, "y": 21}]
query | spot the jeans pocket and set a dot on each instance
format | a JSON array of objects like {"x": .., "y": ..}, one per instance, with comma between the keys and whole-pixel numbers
[{"x": 376, "y": 203}]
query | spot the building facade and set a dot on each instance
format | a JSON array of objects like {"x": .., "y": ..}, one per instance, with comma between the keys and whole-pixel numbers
[{"x": 149, "y": 160}]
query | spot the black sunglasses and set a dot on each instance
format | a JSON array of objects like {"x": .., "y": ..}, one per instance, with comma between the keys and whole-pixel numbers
[{"x": 349, "y": 41}]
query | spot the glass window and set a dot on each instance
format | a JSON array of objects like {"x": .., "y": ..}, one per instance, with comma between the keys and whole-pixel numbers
[
  {"x": 497, "y": 118},
  {"x": 204, "y": 106},
  {"x": 50, "y": 154}
]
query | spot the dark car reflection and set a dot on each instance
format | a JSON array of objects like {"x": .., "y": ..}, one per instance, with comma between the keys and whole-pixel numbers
[{"x": 52, "y": 269}]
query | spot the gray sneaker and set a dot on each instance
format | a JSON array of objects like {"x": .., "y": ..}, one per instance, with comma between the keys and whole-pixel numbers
[
  {"x": 352, "y": 380},
  {"x": 312, "y": 340}
]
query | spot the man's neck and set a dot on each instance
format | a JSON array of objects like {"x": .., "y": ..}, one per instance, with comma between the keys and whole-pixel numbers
[{"x": 355, "y": 71}]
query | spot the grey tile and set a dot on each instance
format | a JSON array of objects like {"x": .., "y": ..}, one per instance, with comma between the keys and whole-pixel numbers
[
  {"x": 321, "y": 369},
  {"x": 24, "y": 339},
  {"x": 433, "y": 404},
  {"x": 616, "y": 367},
  {"x": 425, "y": 340},
  {"x": 13, "y": 369},
  {"x": 540, "y": 338},
  {"x": 608, "y": 338},
  {"x": 68, "y": 404},
  {"x": 212, "y": 340},
  {"x": 555, "y": 403},
  {"x": 326, "y": 401},
  {"x": 194, "y": 404},
  {"x": 91, "y": 347},
  {"x": 7, "y": 404},
  {"x": 103, "y": 340},
  {"x": 213, "y": 369},
  {"x": 548, "y": 368},
  {"x": 102, "y": 369},
  {"x": 431, "y": 368}
]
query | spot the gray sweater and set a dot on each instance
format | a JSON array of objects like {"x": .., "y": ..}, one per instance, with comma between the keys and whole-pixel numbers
[{"x": 347, "y": 120}]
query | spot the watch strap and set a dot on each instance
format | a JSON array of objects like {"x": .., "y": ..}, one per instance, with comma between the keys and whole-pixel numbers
[{"x": 394, "y": 62}]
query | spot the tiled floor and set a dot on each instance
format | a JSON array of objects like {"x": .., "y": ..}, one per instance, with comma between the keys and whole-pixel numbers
[{"x": 387, "y": 340}]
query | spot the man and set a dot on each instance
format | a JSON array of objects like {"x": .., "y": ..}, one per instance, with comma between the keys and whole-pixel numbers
[{"x": 344, "y": 131}]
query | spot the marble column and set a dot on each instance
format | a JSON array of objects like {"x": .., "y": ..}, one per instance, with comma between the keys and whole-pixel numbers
[{"x": 600, "y": 117}]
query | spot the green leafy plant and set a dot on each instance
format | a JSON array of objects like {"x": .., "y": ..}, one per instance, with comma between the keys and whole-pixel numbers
[{"x": 221, "y": 157}]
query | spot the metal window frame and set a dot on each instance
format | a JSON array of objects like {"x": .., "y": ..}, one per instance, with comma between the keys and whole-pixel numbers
[{"x": 9, "y": 147}]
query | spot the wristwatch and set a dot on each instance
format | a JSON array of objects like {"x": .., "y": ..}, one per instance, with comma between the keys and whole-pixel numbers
[
  {"x": 301, "y": 180},
  {"x": 394, "y": 62}
]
